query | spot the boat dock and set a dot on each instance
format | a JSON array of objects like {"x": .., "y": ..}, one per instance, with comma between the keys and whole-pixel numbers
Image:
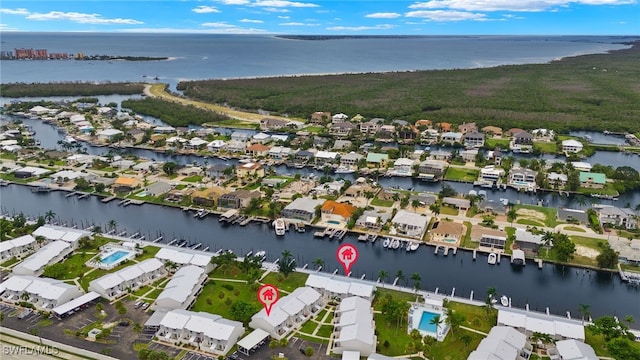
[
  {"x": 228, "y": 216},
  {"x": 300, "y": 227},
  {"x": 107, "y": 199},
  {"x": 338, "y": 234}
]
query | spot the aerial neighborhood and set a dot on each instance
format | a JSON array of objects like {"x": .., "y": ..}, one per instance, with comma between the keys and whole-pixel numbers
[{"x": 324, "y": 174}]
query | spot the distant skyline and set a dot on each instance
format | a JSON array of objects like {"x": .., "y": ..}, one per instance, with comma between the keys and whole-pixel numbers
[{"x": 434, "y": 17}]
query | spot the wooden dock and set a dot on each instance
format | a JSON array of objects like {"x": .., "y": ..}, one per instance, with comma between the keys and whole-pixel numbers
[{"x": 107, "y": 199}]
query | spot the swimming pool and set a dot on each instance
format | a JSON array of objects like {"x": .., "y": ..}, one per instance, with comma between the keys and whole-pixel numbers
[
  {"x": 114, "y": 257},
  {"x": 425, "y": 322},
  {"x": 450, "y": 240},
  {"x": 334, "y": 222},
  {"x": 141, "y": 194}
]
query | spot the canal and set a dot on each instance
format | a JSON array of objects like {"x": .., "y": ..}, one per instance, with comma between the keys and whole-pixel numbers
[{"x": 561, "y": 288}]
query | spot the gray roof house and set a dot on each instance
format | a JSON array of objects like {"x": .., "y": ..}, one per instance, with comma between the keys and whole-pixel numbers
[
  {"x": 567, "y": 215},
  {"x": 410, "y": 223},
  {"x": 158, "y": 188},
  {"x": 303, "y": 208},
  {"x": 503, "y": 342}
]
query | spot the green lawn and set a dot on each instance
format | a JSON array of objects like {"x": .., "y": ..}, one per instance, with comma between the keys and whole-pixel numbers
[
  {"x": 290, "y": 283},
  {"x": 587, "y": 241},
  {"x": 574, "y": 228},
  {"x": 607, "y": 190},
  {"x": 379, "y": 202},
  {"x": 545, "y": 147},
  {"x": 597, "y": 342},
  {"x": 193, "y": 179},
  {"x": 398, "y": 295},
  {"x": 393, "y": 335},
  {"x": 453, "y": 348},
  {"x": 476, "y": 317},
  {"x": 493, "y": 143},
  {"x": 229, "y": 271},
  {"x": 446, "y": 210},
  {"x": 551, "y": 214},
  {"x": 325, "y": 331},
  {"x": 217, "y": 299},
  {"x": 529, "y": 222},
  {"x": 466, "y": 241},
  {"x": 313, "y": 129},
  {"x": 461, "y": 174},
  {"x": 10, "y": 262},
  {"x": 309, "y": 327}
]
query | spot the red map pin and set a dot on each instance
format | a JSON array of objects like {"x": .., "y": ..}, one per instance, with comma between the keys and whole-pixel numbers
[
  {"x": 347, "y": 255},
  {"x": 268, "y": 295}
]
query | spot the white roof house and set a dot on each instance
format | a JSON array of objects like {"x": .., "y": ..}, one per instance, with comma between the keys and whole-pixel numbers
[
  {"x": 46, "y": 255},
  {"x": 43, "y": 293},
  {"x": 17, "y": 247},
  {"x": 575, "y": 350},
  {"x": 109, "y": 133},
  {"x": 336, "y": 286},
  {"x": 69, "y": 235},
  {"x": 354, "y": 328},
  {"x": 207, "y": 332},
  {"x": 33, "y": 171},
  {"x": 185, "y": 257},
  {"x": 410, "y": 223},
  {"x": 114, "y": 285},
  {"x": 530, "y": 322},
  {"x": 571, "y": 145},
  {"x": 182, "y": 289},
  {"x": 288, "y": 313},
  {"x": 302, "y": 208},
  {"x": 502, "y": 342}
]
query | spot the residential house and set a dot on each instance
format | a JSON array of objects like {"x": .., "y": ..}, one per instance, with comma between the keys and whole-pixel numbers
[
  {"x": 354, "y": 329},
  {"x": 109, "y": 134},
  {"x": 573, "y": 215},
  {"x": 403, "y": 167},
  {"x": 267, "y": 124},
  {"x": 410, "y": 224},
  {"x": 407, "y": 134},
  {"x": 429, "y": 136},
  {"x": 334, "y": 287},
  {"x": 340, "y": 144},
  {"x": 164, "y": 130},
  {"x": 131, "y": 278},
  {"x": 522, "y": 143},
  {"x": 124, "y": 184},
  {"x": 467, "y": 128},
  {"x": 30, "y": 171},
  {"x": 628, "y": 251},
  {"x": 135, "y": 134},
  {"x": 260, "y": 138},
  {"x": 237, "y": 199},
  {"x": 320, "y": 142},
  {"x": 342, "y": 129},
  {"x": 492, "y": 131},
  {"x": 458, "y": 203},
  {"x": 543, "y": 134},
  {"x": 386, "y": 133},
  {"x": 190, "y": 171},
  {"x": 615, "y": 216},
  {"x": 425, "y": 199},
  {"x": 528, "y": 241},
  {"x": 371, "y": 127},
  {"x": 209, "y": 333},
  {"x": 304, "y": 156},
  {"x": 234, "y": 146},
  {"x": 469, "y": 155},
  {"x": 195, "y": 144},
  {"x": 339, "y": 118},
  {"x": 176, "y": 195},
  {"x": 451, "y": 138},
  {"x": 474, "y": 139},
  {"x": 492, "y": 206},
  {"x": 245, "y": 170},
  {"x": 528, "y": 322},
  {"x": 43, "y": 293},
  {"x": 557, "y": 180},
  {"x": 491, "y": 173},
  {"x": 433, "y": 169},
  {"x": 424, "y": 123},
  {"x": 334, "y": 211},
  {"x": 17, "y": 247},
  {"x": 571, "y": 146},
  {"x": 208, "y": 196},
  {"x": 219, "y": 171},
  {"x": 592, "y": 180},
  {"x": 51, "y": 253},
  {"x": 449, "y": 232},
  {"x": 377, "y": 160},
  {"x": 183, "y": 288},
  {"x": 444, "y": 126},
  {"x": 522, "y": 178},
  {"x": 581, "y": 166},
  {"x": 217, "y": 146},
  {"x": 240, "y": 136},
  {"x": 441, "y": 155},
  {"x": 53, "y": 233},
  {"x": 280, "y": 152},
  {"x": 326, "y": 157},
  {"x": 303, "y": 208},
  {"x": 373, "y": 219},
  {"x": 257, "y": 150},
  {"x": 572, "y": 350},
  {"x": 289, "y": 312},
  {"x": 320, "y": 117},
  {"x": 503, "y": 342},
  {"x": 351, "y": 159},
  {"x": 183, "y": 257}
]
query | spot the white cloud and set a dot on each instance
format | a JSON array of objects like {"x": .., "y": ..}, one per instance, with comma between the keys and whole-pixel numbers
[
  {"x": 225, "y": 30},
  {"x": 510, "y": 5},
  {"x": 6, "y": 27},
  {"x": 383, "y": 15},
  {"x": 219, "y": 25},
  {"x": 81, "y": 18},
  {"x": 223, "y": 27},
  {"x": 279, "y": 10},
  {"x": 283, "y": 17},
  {"x": 234, "y": 2},
  {"x": 283, "y": 4},
  {"x": 294, "y": 23},
  {"x": 18, "y": 11},
  {"x": 445, "y": 15},
  {"x": 251, "y": 21},
  {"x": 205, "y": 9},
  {"x": 361, "y": 28}
]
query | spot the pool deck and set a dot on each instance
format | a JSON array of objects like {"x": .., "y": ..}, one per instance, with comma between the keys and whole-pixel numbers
[{"x": 415, "y": 315}]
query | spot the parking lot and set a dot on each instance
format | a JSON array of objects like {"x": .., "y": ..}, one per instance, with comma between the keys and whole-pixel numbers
[{"x": 195, "y": 356}]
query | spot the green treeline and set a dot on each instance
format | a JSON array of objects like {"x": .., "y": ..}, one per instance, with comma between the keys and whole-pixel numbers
[
  {"x": 69, "y": 89},
  {"x": 172, "y": 113},
  {"x": 591, "y": 92}
]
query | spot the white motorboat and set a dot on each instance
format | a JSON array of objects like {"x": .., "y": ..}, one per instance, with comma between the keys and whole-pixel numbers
[
  {"x": 386, "y": 242},
  {"x": 344, "y": 170},
  {"x": 408, "y": 248},
  {"x": 395, "y": 244},
  {"x": 493, "y": 258},
  {"x": 260, "y": 254},
  {"x": 504, "y": 300},
  {"x": 69, "y": 139},
  {"x": 415, "y": 246},
  {"x": 279, "y": 226}
]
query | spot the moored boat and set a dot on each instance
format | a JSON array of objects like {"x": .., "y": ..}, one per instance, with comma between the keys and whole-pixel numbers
[
  {"x": 386, "y": 242},
  {"x": 493, "y": 258},
  {"x": 504, "y": 300},
  {"x": 279, "y": 226}
]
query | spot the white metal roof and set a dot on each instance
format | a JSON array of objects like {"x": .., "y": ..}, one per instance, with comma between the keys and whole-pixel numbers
[
  {"x": 251, "y": 340},
  {"x": 182, "y": 284},
  {"x": 65, "y": 308},
  {"x": 21, "y": 241},
  {"x": 540, "y": 322},
  {"x": 43, "y": 256},
  {"x": 183, "y": 257},
  {"x": 45, "y": 288},
  {"x": 410, "y": 218},
  {"x": 350, "y": 355},
  {"x": 575, "y": 350}
]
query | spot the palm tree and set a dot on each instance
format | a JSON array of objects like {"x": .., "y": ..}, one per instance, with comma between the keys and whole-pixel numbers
[
  {"x": 382, "y": 274},
  {"x": 454, "y": 320},
  {"x": 49, "y": 215},
  {"x": 492, "y": 293},
  {"x": 318, "y": 262},
  {"x": 400, "y": 276},
  {"x": 512, "y": 214},
  {"x": 583, "y": 309},
  {"x": 435, "y": 209},
  {"x": 415, "y": 277},
  {"x": 112, "y": 224},
  {"x": 629, "y": 319},
  {"x": 415, "y": 203},
  {"x": 436, "y": 320}
]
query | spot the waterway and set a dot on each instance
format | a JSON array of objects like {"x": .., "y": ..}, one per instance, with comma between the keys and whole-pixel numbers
[{"x": 561, "y": 288}]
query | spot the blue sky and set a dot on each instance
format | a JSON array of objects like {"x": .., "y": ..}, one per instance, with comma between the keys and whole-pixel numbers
[{"x": 428, "y": 17}]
